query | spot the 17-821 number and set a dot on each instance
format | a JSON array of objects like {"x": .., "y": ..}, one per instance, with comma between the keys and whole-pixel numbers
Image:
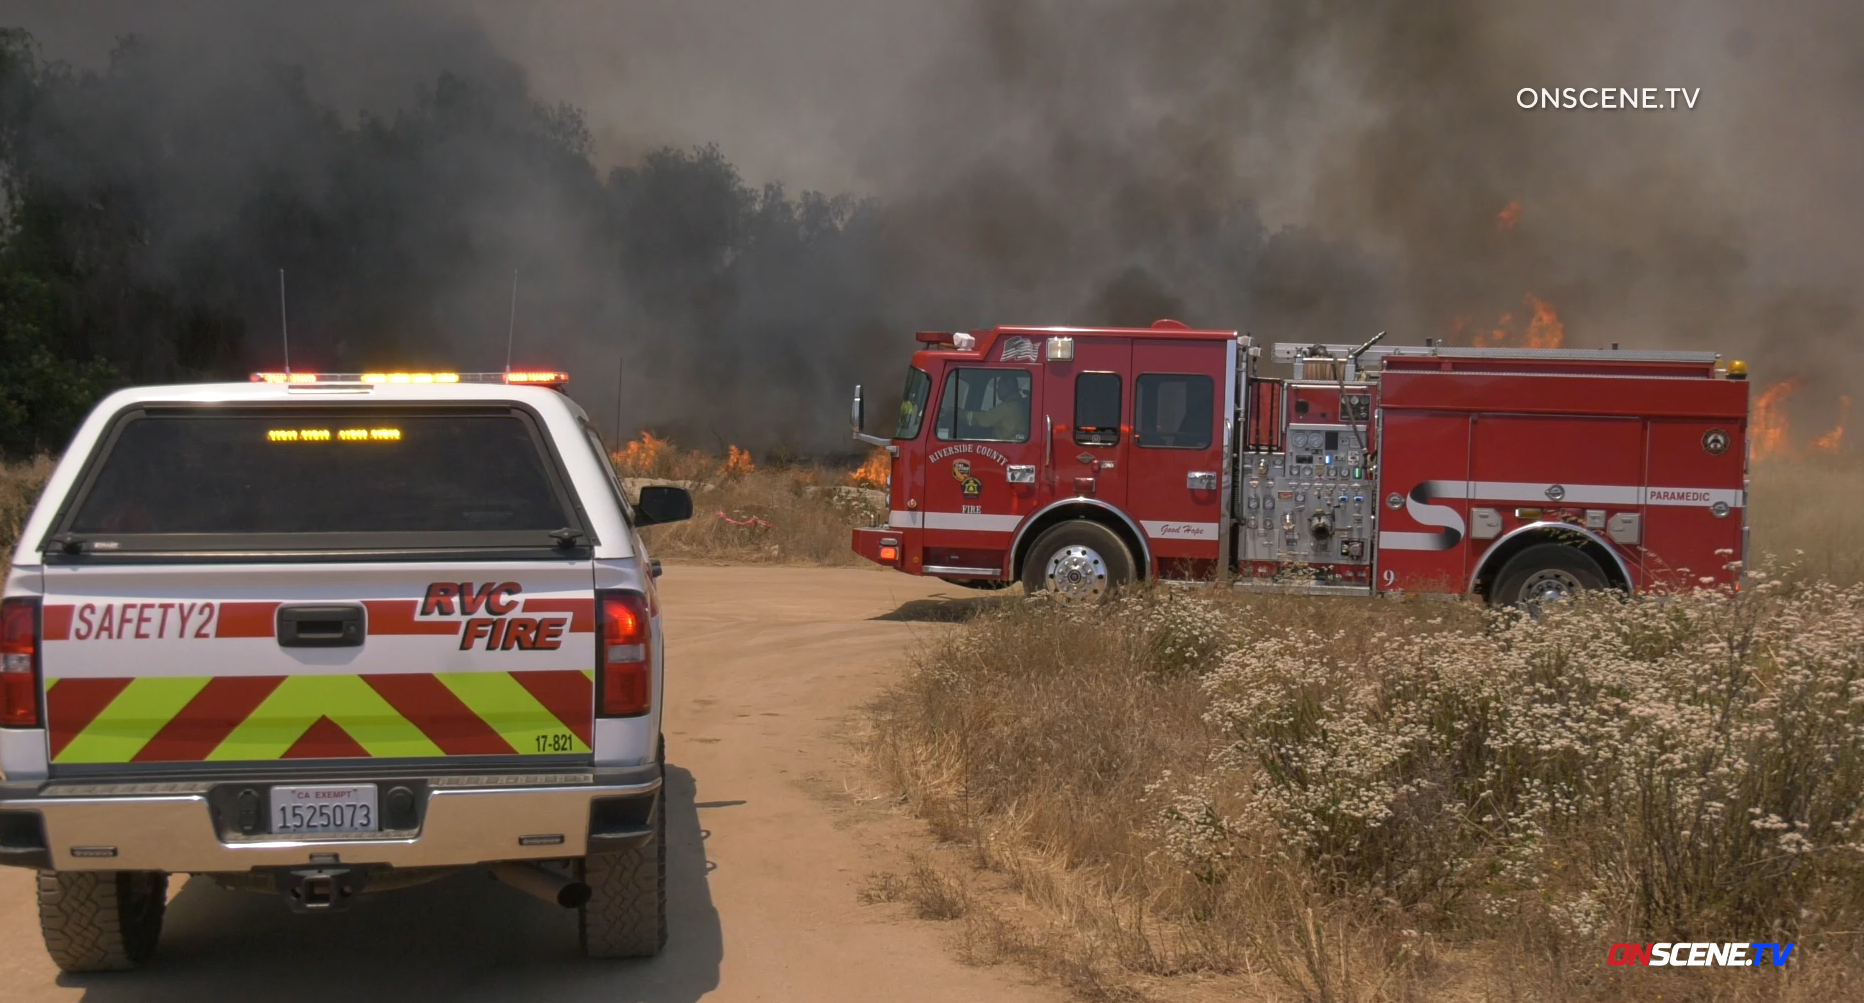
[{"x": 559, "y": 742}]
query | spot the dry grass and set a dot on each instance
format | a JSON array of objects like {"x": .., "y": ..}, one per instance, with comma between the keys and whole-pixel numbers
[
  {"x": 1334, "y": 800},
  {"x": 799, "y": 515},
  {"x": 20, "y": 484},
  {"x": 746, "y": 514},
  {"x": 742, "y": 513},
  {"x": 1811, "y": 513}
]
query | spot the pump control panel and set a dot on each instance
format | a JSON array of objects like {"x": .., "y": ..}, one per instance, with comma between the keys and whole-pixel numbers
[{"x": 1312, "y": 501}]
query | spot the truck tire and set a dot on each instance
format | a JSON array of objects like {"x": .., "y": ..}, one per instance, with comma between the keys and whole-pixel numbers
[
  {"x": 1543, "y": 573},
  {"x": 1077, "y": 560},
  {"x": 101, "y": 921},
  {"x": 626, "y": 915}
]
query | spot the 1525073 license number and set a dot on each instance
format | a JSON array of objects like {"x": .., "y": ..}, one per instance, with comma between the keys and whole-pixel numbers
[{"x": 333, "y": 817}]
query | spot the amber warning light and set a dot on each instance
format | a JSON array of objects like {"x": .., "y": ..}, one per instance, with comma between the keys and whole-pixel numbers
[
  {"x": 539, "y": 378},
  {"x": 341, "y": 435}
]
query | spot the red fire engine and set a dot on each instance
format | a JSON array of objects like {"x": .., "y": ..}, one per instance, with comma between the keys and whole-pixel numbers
[{"x": 1076, "y": 459}]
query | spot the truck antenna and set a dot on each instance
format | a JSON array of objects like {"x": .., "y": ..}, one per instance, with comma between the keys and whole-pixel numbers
[
  {"x": 621, "y": 365},
  {"x": 511, "y": 327},
  {"x": 284, "y": 325}
]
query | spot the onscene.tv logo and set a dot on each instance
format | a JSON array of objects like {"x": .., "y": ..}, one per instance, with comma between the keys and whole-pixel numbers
[{"x": 1677, "y": 955}]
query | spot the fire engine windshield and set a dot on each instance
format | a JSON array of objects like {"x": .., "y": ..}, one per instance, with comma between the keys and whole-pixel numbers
[
  {"x": 913, "y": 404},
  {"x": 320, "y": 478}
]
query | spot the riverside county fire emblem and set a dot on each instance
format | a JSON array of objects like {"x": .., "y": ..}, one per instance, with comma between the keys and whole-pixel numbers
[
  {"x": 961, "y": 472},
  {"x": 1715, "y": 441}
]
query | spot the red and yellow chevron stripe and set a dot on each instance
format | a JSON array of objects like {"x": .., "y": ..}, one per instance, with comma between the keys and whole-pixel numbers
[{"x": 376, "y": 715}]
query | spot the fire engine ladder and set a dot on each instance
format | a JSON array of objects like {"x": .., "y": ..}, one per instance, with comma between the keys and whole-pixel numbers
[{"x": 1297, "y": 354}]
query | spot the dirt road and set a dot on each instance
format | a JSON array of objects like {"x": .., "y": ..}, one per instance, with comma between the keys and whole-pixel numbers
[{"x": 765, "y": 667}]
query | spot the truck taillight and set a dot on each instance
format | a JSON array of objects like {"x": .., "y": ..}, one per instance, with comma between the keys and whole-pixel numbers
[
  {"x": 19, "y": 663},
  {"x": 625, "y": 663}
]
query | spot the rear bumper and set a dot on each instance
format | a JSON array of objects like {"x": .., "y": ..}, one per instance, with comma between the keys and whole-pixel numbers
[
  {"x": 869, "y": 539},
  {"x": 172, "y": 826}
]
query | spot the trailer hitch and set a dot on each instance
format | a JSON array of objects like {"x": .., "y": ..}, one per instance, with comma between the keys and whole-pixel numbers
[{"x": 320, "y": 889}]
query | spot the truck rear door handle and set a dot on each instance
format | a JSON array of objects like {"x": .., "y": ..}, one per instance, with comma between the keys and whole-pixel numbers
[
  {"x": 1201, "y": 480},
  {"x": 320, "y": 626}
]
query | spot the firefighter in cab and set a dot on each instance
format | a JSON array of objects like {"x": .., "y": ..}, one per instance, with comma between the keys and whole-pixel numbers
[{"x": 1007, "y": 420}]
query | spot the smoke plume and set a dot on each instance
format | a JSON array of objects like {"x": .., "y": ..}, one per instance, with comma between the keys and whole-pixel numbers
[{"x": 1305, "y": 172}]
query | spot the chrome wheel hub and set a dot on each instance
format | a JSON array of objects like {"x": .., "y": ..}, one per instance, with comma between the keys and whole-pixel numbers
[
  {"x": 1549, "y": 585},
  {"x": 1076, "y": 572}
]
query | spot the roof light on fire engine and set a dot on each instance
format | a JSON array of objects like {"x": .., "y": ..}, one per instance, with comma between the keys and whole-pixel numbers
[
  {"x": 540, "y": 377},
  {"x": 1737, "y": 370}
]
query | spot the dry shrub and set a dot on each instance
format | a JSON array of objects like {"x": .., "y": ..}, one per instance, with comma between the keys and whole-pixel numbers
[
  {"x": 932, "y": 893},
  {"x": 1372, "y": 800},
  {"x": 782, "y": 513},
  {"x": 793, "y": 515},
  {"x": 20, "y": 484}
]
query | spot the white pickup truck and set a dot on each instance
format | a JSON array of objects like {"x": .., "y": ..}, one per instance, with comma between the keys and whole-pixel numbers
[{"x": 327, "y": 636}]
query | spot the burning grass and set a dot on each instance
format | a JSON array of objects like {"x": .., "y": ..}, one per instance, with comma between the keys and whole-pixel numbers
[
  {"x": 787, "y": 513},
  {"x": 1334, "y": 800}
]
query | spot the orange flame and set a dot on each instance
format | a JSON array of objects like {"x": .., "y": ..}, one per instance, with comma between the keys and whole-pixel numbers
[
  {"x": 642, "y": 457},
  {"x": 1767, "y": 423},
  {"x": 738, "y": 462},
  {"x": 873, "y": 473},
  {"x": 1498, "y": 335},
  {"x": 1830, "y": 441},
  {"x": 1509, "y": 216},
  {"x": 1544, "y": 328}
]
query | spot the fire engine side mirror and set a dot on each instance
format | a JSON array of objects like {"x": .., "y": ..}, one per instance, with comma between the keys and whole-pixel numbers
[{"x": 855, "y": 424}]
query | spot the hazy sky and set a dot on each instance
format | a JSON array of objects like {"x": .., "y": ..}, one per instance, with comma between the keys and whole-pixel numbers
[{"x": 1048, "y": 138}]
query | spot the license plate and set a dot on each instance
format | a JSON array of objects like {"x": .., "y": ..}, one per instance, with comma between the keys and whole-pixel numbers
[{"x": 324, "y": 808}]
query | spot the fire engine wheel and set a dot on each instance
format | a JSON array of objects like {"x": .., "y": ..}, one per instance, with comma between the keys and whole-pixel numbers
[
  {"x": 626, "y": 915},
  {"x": 1078, "y": 560},
  {"x": 101, "y": 921},
  {"x": 1545, "y": 572}
]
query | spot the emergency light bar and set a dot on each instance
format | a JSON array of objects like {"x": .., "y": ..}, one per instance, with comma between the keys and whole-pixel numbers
[{"x": 537, "y": 378}]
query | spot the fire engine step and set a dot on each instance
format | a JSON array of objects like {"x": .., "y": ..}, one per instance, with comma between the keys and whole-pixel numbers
[{"x": 1301, "y": 588}]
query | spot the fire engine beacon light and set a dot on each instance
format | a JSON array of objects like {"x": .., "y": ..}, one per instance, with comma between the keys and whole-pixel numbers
[{"x": 1737, "y": 370}]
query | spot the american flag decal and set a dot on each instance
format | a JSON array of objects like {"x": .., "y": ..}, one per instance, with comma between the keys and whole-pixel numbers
[{"x": 1019, "y": 349}]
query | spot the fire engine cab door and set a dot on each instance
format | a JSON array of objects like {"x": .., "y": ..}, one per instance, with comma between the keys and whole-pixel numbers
[
  {"x": 1086, "y": 400},
  {"x": 982, "y": 467},
  {"x": 152, "y": 660},
  {"x": 1175, "y": 462}
]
